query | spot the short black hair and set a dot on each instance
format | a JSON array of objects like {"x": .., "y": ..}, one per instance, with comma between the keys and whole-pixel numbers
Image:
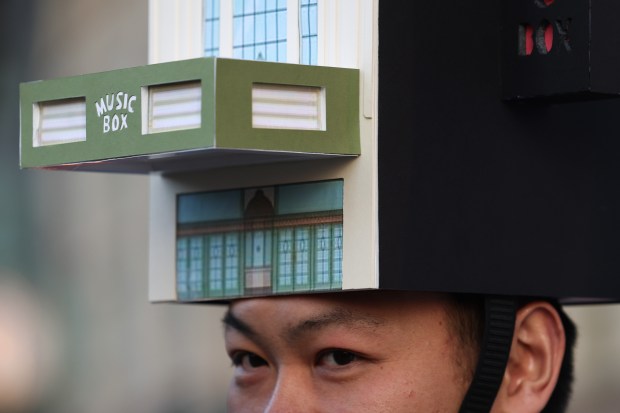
[{"x": 467, "y": 321}]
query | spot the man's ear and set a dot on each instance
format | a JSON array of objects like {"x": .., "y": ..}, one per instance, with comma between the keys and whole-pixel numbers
[{"x": 534, "y": 362}]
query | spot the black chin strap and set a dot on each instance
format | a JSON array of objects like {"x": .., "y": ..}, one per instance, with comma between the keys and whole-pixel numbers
[{"x": 500, "y": 315}]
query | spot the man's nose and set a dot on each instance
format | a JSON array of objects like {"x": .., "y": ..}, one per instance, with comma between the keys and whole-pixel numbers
[{"x": 292, "y": 393}]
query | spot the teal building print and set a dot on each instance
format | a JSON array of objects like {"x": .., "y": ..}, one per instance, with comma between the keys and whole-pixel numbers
[{"x": 257, "y": 241}]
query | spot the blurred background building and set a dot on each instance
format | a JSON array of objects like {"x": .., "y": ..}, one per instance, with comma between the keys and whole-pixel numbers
[
  {"x": 73, "y": 247},
  {"x": 77, "y": 333}
]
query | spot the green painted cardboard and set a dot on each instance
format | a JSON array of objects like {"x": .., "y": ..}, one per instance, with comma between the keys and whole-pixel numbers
[{"x": 226, "y": 110}]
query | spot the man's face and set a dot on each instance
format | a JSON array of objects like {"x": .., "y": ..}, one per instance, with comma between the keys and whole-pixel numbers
[{"x": 354, "y": 352}]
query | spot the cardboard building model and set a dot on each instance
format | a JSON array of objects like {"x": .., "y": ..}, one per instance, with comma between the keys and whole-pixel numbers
[{"x": 378, "y": 145}]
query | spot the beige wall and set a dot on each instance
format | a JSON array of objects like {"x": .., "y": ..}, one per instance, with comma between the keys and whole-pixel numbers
[{"x": 597, "y": 361}]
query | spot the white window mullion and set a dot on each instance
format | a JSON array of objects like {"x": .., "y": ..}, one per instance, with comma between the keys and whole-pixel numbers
[
  {"x": 175, "y": 30},
  {"x": 322, "y": 9},
  {"x": 190, "y": 24},
  {"x": 226, "y": 28},
  {"x": 292, "y": 31},
  {"x": 368, "y": 54}
]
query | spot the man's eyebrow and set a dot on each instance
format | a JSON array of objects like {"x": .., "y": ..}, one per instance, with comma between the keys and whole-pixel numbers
[
  {"x": 336, "y": 317},
  {"x": 231, "y": 321}
]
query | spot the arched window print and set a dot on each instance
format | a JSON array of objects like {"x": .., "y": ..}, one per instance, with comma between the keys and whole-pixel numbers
[{"x": 257, "y": 230}]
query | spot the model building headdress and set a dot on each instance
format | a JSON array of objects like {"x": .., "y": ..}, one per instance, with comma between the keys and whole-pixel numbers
[{"x": 458, "y": 148}]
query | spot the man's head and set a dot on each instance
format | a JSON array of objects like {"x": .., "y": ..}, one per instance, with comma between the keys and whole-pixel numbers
[{"x": 380, "y": 352}]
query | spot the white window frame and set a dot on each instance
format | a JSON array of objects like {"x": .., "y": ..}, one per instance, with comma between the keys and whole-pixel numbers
[{"x": 176, "y": 30}]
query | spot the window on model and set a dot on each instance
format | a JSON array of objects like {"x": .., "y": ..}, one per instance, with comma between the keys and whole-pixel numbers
[{"x": 260, "y": 29}]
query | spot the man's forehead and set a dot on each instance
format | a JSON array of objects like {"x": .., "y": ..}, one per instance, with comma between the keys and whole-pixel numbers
[
  {"x": 317, "y": 308},
  {"x": 295, "y": 323},
  {"x": 354, "y": 297},
  {"x": 313, "y": 312},
  {"x": 342, "y": 319}
]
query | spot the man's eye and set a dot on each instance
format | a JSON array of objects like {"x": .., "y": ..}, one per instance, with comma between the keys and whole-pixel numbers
[
  {"x": 337, "y": 358},
  {"x": 247, "y": 360}
]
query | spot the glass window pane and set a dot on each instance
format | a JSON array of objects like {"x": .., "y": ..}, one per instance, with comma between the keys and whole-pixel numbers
[
  {"x": 248, "y": 30},
  {"x": 285, "y": 259},
  {"x": 248, "y": 6},
  {"x": 281, "y": 26},
  {"x": 281, "y": 52},
  {"x": 271, "y": 27},
  {"x": 260, "y": 30},
  {"x": 211, "y": 27},
  {"x": 261, "y": 53},
  {"x": 272, "y": 52},
  {"x": 314, "y": 47},
  {"x": 215, "y": 264},
  {"x": 232, "y": 267},
  {"x": 238, "y": 31},
  {"x": 304, "y": 20},
  {"x": 302, "y": 255},
  {"x": 182, "y": 268},
  {"x": 248, "y": 53},
  {"x": 309, "y": 31},
  {"x": 268, "y": 241},
  {"x": 322, "y": 252},
  {"x": 313, "y": 19},
  {"x": 196, "y": 260},
  {"x": 248, "y": 251},
  {"x": 238, "y": 7},
  {"x": 337, "y": 256},
  {"x": 216, "y": 33},
  {"x": 305, "y": 51},
  {"x": 258, "y": 248}
]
